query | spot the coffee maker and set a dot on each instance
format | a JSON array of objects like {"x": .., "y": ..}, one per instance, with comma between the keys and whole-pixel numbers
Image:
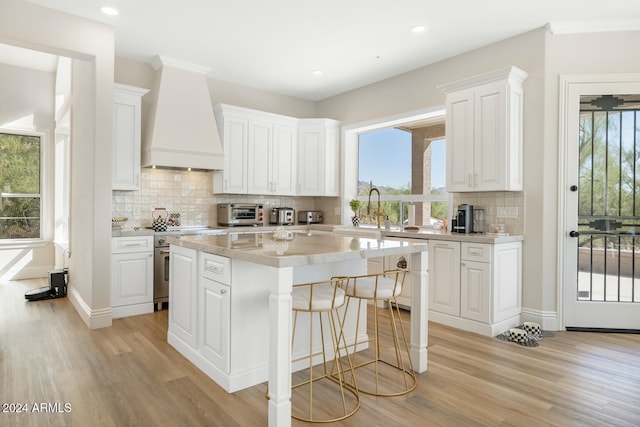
[{"x": 464, "y": 219}]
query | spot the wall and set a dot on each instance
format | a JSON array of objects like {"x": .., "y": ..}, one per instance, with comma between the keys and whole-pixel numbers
[
  {"x": 27, "y": 103},
  {"x": 418, "y": 90},
  {"x": 26, "y": 25},
  {"x": 587, "y": 53}
]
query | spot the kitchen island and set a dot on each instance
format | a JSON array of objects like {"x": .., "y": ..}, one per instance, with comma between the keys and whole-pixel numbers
[{"x": 240, "y": 286}]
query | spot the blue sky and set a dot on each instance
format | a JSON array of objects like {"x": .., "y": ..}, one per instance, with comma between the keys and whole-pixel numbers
[{"x": 385, "y": 159}]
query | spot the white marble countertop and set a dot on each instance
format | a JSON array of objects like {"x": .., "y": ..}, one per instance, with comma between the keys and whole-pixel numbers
[
  {"x": 316, "y": 247},
  {"x": 431, "y": 234}
]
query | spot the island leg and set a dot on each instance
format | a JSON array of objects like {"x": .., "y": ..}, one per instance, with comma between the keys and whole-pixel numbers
[
  {"x": 419, "y": 310},
  {"x": 280, "y": 286}
]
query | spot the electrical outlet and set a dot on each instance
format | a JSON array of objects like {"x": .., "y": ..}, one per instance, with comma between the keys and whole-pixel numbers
[{"x": 507, "y": 212}]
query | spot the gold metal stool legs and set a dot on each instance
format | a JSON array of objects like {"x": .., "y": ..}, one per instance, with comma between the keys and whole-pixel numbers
[
  {"x": 381, "y": 370},
  {"x": 325, "y": 397}
]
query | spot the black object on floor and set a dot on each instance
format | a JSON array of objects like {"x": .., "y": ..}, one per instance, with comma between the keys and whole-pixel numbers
[{"x": 57, "y": 287}]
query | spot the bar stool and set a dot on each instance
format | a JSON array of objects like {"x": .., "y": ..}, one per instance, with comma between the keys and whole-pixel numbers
[
  {"x": 393, "y": 374},
  {"x": 323, "y": 298}
]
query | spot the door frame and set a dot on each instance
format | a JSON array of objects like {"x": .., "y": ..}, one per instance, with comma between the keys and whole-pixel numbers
[{"x": 568, "y": 85}]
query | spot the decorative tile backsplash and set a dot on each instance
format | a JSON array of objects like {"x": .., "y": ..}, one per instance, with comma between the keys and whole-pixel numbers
[
  {"x": 189, "y": 193},
  {"x": 492, "y": 202}
]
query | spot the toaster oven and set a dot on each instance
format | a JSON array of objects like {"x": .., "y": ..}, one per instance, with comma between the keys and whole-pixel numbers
[{"x": 235, "y": 214}]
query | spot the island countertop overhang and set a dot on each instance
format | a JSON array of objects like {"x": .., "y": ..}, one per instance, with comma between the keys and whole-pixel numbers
[{"x": 302, "y": 249}]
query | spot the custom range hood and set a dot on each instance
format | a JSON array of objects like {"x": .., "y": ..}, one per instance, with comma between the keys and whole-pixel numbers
[{"x": 181, "y": 129}]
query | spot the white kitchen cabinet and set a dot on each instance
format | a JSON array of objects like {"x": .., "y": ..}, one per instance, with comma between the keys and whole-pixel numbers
[
  {"x": 444, "y": 277},
  {"x": 318, "y": 157},
  {"x": 131, "y": 276},
  {"x": 475, "y": 282},
  {"x": 272, "y": 158},
  {"x": 126, "y": 136},
  {"x": 484, "y": 128},
  {"x": 235, "y": 138},
  {"x": 284, "y": 162},
  {"x": 183, "y": 295},
  {"x": 475, "y": 286},
  {"x": 215, "y": 300},
  {"x": 214, "y": 311},
  {"x": 260, "y": 152}
]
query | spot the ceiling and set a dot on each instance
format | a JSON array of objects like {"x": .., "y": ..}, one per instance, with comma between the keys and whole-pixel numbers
[{"x": 274, "y": 45}]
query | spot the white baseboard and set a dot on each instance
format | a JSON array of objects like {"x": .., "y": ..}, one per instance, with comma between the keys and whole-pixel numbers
[
  {"x": 548, "y": 320},
  {"x": 131, "y": 310},
  {"x": 94, "y": 319},
  {"x": 490, "y": 330}
]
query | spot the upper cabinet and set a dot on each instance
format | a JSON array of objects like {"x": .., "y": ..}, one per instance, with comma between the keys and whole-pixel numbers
[
  {"x": 271, "y": 154},
  {"x": 484, "y": 127},
  {"x": 126, "y": 137},
  {"x": 318, "y": 157}
]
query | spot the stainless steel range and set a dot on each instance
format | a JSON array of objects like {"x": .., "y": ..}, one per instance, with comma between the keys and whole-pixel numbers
[{"x": 161, "y": 259}]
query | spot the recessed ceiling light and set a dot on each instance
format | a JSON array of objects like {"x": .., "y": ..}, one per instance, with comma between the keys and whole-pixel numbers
[
  {"x": 316, "y": 72},
  {"x": 419, "y": 29},
  {"x": 108, "y": 10}
]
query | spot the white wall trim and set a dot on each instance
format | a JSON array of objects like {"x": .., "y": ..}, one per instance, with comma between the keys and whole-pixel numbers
[
  {"x": 548, "y": 320},
  {"x": 94, "y": 319},
  {"x": 349, "y": 148}
]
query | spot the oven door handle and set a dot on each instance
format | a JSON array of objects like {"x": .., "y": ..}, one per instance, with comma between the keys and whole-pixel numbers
[{"x": 165, "y": 251}]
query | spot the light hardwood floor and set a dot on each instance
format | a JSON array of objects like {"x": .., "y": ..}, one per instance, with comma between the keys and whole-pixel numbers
[{"x": 128, "y": 375}]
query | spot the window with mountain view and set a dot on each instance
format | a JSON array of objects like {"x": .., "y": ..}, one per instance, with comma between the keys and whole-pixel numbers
[
  {"x": 20, "y": 185},
  {"x": 407, "y": 167}
]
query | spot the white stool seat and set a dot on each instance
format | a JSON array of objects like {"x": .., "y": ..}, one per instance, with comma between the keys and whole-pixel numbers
[
  {"x": 366, "y": 287},
  {"x": 323, "y": 297}
]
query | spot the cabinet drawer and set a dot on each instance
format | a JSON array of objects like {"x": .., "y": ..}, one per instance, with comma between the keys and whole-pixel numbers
[
  {"x": 215, "y": 267},
  {"x": 480, "y": 252},
  {"x": 120, "y": 245}
]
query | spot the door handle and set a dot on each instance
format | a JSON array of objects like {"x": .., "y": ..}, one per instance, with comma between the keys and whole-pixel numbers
[{"x": 574, "y": 233}]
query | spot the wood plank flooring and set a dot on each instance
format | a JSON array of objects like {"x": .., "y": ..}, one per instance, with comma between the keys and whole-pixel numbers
[{"x": 126, "y": 375}]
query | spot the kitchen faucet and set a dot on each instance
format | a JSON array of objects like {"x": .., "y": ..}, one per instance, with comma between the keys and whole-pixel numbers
[{"x": 379, "y": 211}]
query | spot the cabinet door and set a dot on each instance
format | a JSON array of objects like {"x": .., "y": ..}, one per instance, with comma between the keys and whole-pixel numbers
[
  {"x": 475, "y": 290},
  {"x": 459, "y": 135},
  {"x": 235, "y": 138},
  {"x": 183, "y": 294},
  {"x": 444, "y": 277},
  {"x": 131, "y": 278},
  {"x": 507, "y": 281},
  {"x": 214, "y": 321},
  {"x": 126, "y": 144},
  {"x": 310, "y": 166},
  {"x": 259, "y": 154},
  {"x": 332, "y": 162},
  {"x": 490, "y": 164},
  {"x": 284, "y": 162}
]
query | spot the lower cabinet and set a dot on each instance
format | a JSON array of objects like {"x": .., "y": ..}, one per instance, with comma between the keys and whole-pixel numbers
[
  {"x": 475, "y": 286},
  {"x": 222, "y": 328},
  {"x": 214, "y": 317},
  {"x": 131, "y": 276},
  {"x": 183, "y": 295}
]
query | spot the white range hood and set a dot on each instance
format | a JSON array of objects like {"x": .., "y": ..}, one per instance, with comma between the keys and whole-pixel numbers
[{"x": 181, "y": 129}]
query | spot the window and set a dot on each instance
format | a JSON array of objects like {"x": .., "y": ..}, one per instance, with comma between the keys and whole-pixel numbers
[
  {"x": 20, "y": 202},
  {"x": 407, "y": 167}
]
